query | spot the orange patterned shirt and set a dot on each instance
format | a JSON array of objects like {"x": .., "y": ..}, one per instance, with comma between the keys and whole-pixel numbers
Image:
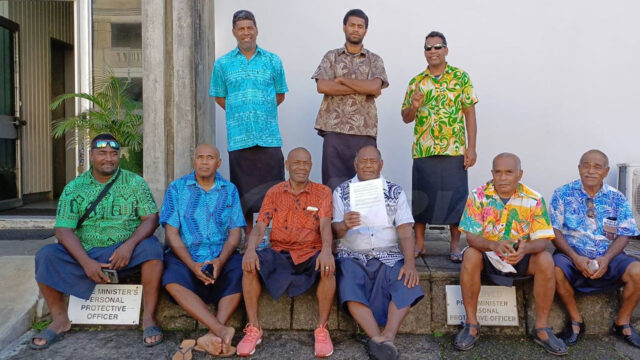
[{"x": 296, "y": 218}]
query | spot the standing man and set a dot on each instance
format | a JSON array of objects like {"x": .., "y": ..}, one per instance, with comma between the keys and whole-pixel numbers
[
  {"x": 505, "y": 218},
  {"x": 116, "y": 235},
  {"x": 203, "y": 222},
  {"x": 377, "y": 281},
  {"x": 249, "y": 84},
  {"x": 300, "y": 252},
  {"x": 593, "y": 222},
  {"x": 350, "y": 77},
  {"x": 441, "y": 100}
]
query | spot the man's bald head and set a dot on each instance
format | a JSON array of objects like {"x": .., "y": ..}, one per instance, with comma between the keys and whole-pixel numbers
[
  {"x": 595, "y": 152},
  {"x": 507, "y": 155},
  {"x": 368, "y": 149},
  {"x": 295, "y": 151},
  {"x": 207, "y": 149}
]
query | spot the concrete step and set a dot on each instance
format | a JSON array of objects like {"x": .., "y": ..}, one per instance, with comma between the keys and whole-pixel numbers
[
  {"x": 18, "y": 297},
  {"x": 27, "y": 222}
]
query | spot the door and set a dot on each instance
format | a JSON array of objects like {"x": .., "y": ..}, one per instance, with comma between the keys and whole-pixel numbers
[
  {"x": 58, "y": 77},
  {"x": 10, "y": 123}
]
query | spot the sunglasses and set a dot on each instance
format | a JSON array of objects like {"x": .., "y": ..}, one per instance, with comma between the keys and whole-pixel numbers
[
  {"x": 101, "y": 144},
  {"x": 591, "y": 209},
  {"x": 436, "y": 46}
]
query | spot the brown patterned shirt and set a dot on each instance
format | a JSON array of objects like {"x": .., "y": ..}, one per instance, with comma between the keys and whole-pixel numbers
[{"x": 354, "y": 114}]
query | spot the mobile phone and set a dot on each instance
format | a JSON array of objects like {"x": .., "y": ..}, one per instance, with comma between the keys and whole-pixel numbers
[
  {"x": 208, "y": 271},
  {"x": 112, "y": 275}
]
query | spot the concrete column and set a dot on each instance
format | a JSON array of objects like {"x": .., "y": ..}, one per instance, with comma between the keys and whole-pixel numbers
[
  {"x": 204, "y": 48},
  {"x": 184, "y": 89},
  {"x": 154, "y": 97}
]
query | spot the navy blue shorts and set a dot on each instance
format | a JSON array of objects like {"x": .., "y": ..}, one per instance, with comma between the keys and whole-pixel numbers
[
  {"x": 279, "y": 274},
  {"x": 610, "y": 281},
  {"x": 497, "y": 277},
  {"x": 374, "y": 285},
  {"x": 56, "y": 268},
  {"x": 229, "y": 281}
]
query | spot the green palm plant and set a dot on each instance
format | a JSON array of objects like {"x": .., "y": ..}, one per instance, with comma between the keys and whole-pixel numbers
[{"x": 112, "y": 111}]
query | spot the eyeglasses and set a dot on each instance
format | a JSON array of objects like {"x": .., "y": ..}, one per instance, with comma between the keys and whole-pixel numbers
[
  {"x": 591, "y": 208},
  {"x": 101, "y": 144},
  {"x": 436, "y": 46}
]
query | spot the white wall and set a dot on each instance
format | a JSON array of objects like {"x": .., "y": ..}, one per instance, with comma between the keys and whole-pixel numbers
[{"x": 554, "y": 78}]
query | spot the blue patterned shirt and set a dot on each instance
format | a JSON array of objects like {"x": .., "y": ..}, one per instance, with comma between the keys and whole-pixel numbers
[
  {"x": 586, "y": 235},
  {"x": 249, "y": 88},
  {"x": 204, "y": 218}
]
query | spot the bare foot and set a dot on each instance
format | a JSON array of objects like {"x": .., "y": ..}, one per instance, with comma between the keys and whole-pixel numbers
[
  {"x": 58, "y": 326},
  {"x": 226, "y": 336},
  {"x": 210, "y": 343}
]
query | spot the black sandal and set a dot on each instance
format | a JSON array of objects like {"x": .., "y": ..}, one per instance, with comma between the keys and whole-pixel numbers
[
  {"x": 464, "y": 340},
  {"x": 633, "y": 339},
  {"x": 569, "y": 336},
  {"x": 552, "y": 345}
]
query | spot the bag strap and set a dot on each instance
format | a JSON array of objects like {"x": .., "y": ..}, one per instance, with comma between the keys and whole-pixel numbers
[{"x": 95, "y": 202}]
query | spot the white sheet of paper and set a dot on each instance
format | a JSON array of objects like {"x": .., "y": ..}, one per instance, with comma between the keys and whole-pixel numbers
[
  {"x": 367, "y": 198},
  {"x": 499, "y": 263}
]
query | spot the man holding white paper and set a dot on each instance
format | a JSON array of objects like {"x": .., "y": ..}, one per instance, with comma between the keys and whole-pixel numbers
[
  {"x": 508, "y": 219},
  {"x": 377, "y": 282}
]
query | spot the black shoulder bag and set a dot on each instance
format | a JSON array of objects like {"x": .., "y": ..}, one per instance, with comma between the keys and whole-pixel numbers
[{"x": 95, "y": 202}]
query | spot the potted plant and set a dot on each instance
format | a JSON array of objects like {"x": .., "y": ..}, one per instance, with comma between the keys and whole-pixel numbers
[{"x": 112, "y": 111}]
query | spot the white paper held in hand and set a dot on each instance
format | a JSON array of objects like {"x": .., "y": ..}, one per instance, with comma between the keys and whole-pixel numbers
[{"x": 367, "y": 198}]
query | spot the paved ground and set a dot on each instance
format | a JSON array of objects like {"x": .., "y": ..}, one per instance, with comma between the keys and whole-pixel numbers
[{"x": 299, "y": 345}]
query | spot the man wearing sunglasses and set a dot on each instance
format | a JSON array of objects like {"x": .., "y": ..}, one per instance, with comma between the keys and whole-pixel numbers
[
  {"x": 351, "y": 78},
  {"x": 249, "y": 84},
  {"x": 117, "y": 235},
  {"x": 593, "y": 222},
  {"x": 442, "y": 101}
]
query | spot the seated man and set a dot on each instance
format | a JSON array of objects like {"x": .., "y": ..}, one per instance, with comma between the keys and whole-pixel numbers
[
  {"x": 99, "y": 230},
  {"x": 300, "y": 251},
  {"x": 203, "y": 220},
  {"x": 593, "y": 222},
  {"x": 371, "y": 266},
  {"x": 510, "y": 219}
]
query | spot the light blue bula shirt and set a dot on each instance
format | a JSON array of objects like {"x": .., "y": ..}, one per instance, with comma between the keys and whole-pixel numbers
[
  {"x": 204, "y": 218},
  {"x": 249, "y": 88},
  {"x": 568, "y": 213}
]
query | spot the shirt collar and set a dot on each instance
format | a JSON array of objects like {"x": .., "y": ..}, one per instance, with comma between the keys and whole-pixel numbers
[
  {"x": 355, "y": 179},
  {"x": 363, "y": 52},
  {"x": 578, "y": 185},
  {"x": 237, "y": 51},
  {"x": 447, "y": 69},
  {"x": 218, "y": 181},
  {"x": 287, "y": 186},
  {"x": 491, "y": 190}
]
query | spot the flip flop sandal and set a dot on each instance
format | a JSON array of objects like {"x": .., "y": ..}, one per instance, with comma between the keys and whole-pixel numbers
[
  {"x": 464, "y": 340},
  {"x": 455, "y": 257},
  {"x": 633, "y": 339},
  {"x": 152, "y": 331},
  {"x": 229, "y": 353},
  {"x": 48, "y": 335},
  {"x": 184, "y": 352},
  {"x": 552, "y": 345},
  {"x": 382, "y": 350}
]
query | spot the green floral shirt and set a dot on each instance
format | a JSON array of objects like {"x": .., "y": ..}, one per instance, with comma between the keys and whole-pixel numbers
[
  {"x": 115, "y": 218},
  {"x": 439, "y": 125}
]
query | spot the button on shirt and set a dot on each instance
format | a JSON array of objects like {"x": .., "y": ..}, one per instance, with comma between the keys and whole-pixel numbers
[
  {"x": 353, "y": 114},
  {"x": 586, "y": 235},
  {"x": 439, "y": 126},
  {"x": 381, "y": 242},
  {"x": 204, "y": 218},
  {"x": 523, "y": 217},
  {"x": 117, "y": 215},
  {"x": 249, "y": 88},
  {"x": 296, "y": 218}
]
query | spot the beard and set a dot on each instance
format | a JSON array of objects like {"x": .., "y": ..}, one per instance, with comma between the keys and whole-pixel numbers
[{"x": 356, "y": 41}]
